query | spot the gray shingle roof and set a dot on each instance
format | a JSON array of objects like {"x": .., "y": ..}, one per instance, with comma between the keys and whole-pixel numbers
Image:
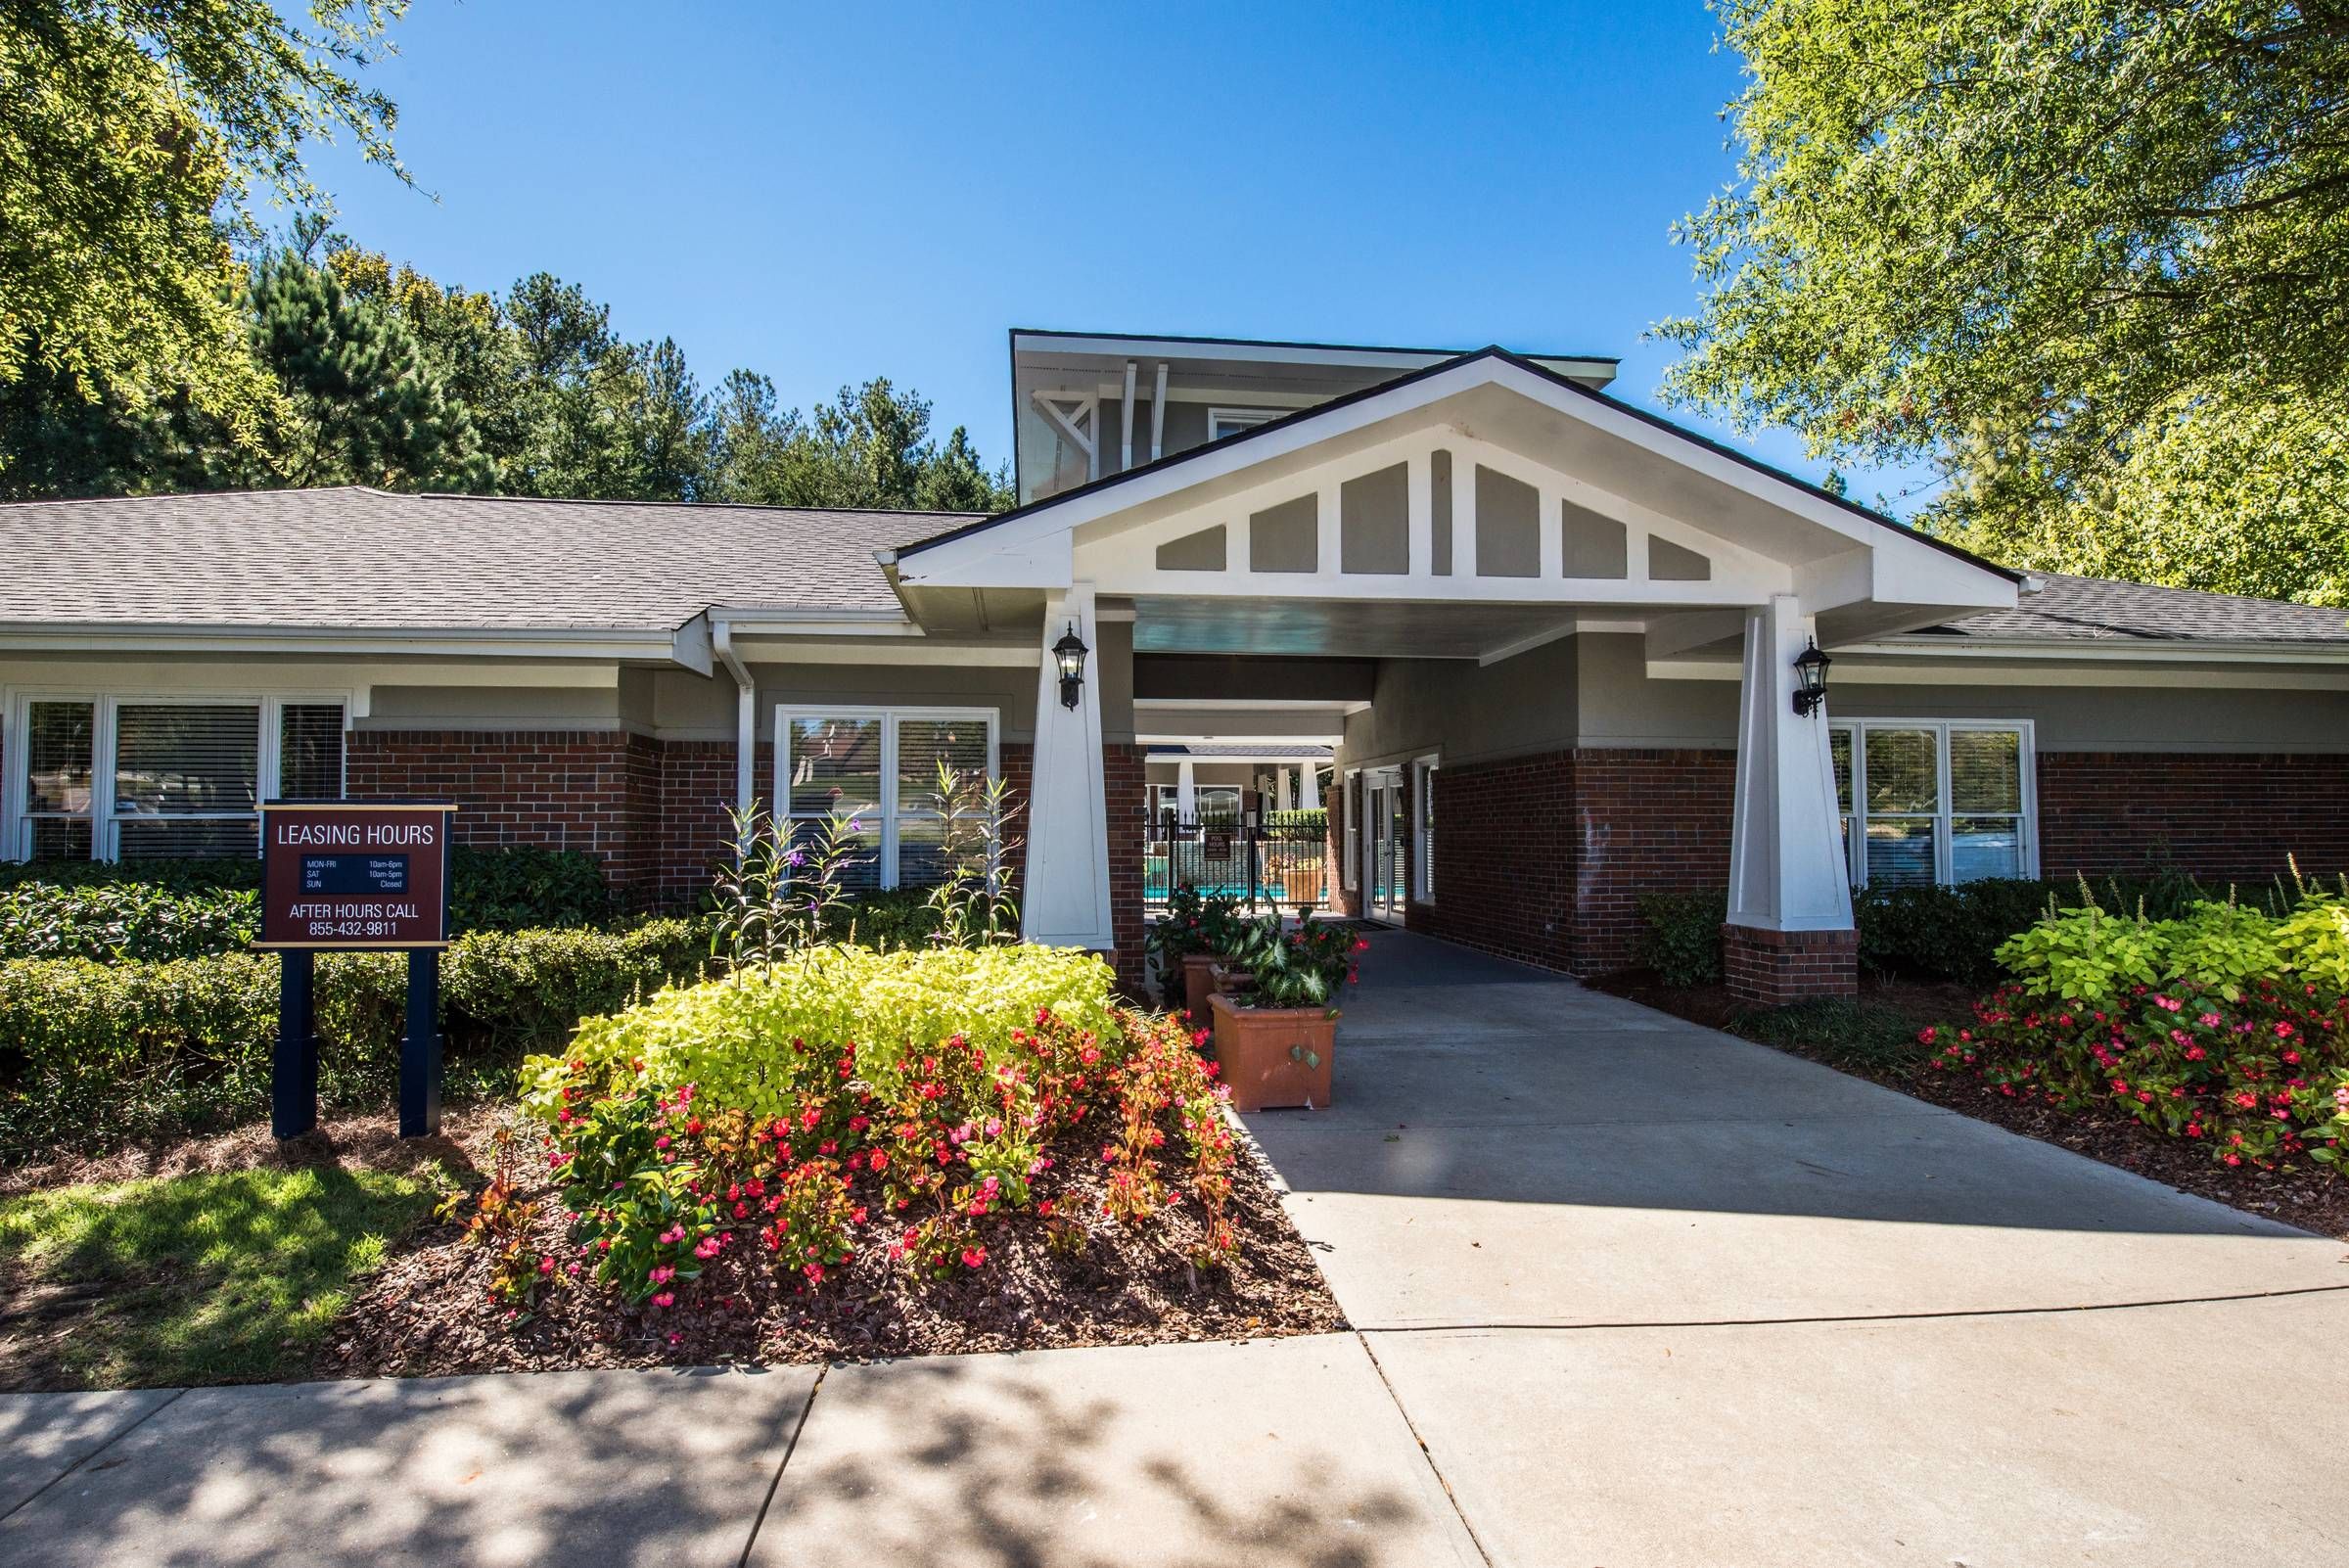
[
  {"x": 2071, "y": 609},
  {"x": 361, "y": 558}
]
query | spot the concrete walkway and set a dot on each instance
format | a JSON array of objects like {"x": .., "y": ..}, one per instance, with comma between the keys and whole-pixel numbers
[
  {"x": 1652, "y": 1295},
  {"x": 1628, "y": 1293}
]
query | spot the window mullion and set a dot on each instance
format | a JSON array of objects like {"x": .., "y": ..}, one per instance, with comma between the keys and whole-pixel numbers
[
  {"x": 1944, "y": 870},
  {"x": 887, "y": 806},
  {"x": 102, "y": 781},
  {"x": 1858, "y": 827}
]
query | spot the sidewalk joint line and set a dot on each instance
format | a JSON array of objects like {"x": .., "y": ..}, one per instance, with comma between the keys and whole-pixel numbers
[
  {"x": 1425, "y": 1453},
  {"x": 93, "y": 1454},
  {"x": 1559, "y": 1327},
  {"x": 776, "y": 1480}
]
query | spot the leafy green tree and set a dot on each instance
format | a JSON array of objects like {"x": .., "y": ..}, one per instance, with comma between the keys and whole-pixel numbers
[
  {"x": 352, "y": 400},
  {"x": 2074, "y": 254},
  {"x": 871, "y": 448},
  {"x": 135, "y": 134}
]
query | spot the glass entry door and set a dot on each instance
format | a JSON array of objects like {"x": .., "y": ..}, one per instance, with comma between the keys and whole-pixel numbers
[{"x": 1382, "y": 846}]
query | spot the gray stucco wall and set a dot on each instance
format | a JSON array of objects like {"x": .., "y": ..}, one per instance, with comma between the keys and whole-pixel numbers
[
  {"x": 1467, "y": 711},
  {"x": 687, "y": 705},
  {"x": 1621, "y": 707},
  {"x": 492, "y": 708},
  {"x": 1593, "y": 691}
]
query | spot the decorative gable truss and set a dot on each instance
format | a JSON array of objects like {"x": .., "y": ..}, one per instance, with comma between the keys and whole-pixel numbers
[{"x": 1435, "y": 514}]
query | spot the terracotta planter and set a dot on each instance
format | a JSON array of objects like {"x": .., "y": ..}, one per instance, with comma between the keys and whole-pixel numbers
[
  {"x": 1198, "y": 982},
  {"x": 1275, "y": 1056},
  {"x": 1302, "y": 883}
]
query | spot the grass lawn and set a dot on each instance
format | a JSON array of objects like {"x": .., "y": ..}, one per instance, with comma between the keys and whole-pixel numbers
[{"x": 215, "y": 1277}]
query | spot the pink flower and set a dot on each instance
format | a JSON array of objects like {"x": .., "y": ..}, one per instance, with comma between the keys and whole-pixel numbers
[
  {"x": 973, "y": 1256},
  {"x": 667, "y": 1298}
]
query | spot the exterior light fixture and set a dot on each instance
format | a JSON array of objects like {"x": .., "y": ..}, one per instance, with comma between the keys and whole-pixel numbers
[
  {"x": 1810, "y": 674},
  {"x": 1070, "y": 651}
]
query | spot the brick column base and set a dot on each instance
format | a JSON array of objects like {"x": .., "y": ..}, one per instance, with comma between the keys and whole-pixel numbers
[{"x": 1772, "y": 968}]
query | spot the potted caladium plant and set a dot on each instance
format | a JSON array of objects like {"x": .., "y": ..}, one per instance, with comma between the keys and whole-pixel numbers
[
  {"x": 1187, "y": 941},
  {"x": 1277, "y": 1032}
]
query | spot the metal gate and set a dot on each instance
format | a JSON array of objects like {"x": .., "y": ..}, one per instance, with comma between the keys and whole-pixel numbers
[{"x": 1264, "y": 866}]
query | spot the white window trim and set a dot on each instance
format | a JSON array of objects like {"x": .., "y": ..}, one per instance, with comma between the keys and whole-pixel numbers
[
  {"x": 1347, "y": 815},
  {"x": 15, "y": 753},
  {"x": 1241, "y": 419},
  {"x": 2026, "y": 760},
  {"x": 1424, "y": 845},
  {"x": 889, "y": 807}
]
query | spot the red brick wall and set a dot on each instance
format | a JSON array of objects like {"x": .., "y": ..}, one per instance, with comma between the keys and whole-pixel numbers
[
  {"x": 1505, "y": 858},
  {"x": 1543, "y": 859},
  {"x": 697, "y": 795},
  {"x": 1121, "y": 778},
  {"x": 595, "y": 791},
  {"x": 1645, "y": 821},
  {"x": 2230, "y": 815},
  {"x": 1772, "y": 968}
]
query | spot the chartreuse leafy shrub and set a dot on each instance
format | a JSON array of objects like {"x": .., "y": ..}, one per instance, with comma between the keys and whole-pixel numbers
[
  {"x": 2223, "y": 1024},
  {"x": 95, "y": 1054},
  {"x": 150, "y": 910},
  {"x": 840, "y": 1102},
  {"x": 1932, "y": 933}
]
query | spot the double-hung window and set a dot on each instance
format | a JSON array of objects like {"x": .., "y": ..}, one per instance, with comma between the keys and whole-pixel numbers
[
  {"x": 1931, "y": 801},
  {"x": 879, "y": 768},
  {"x": 138, "y": 777}
]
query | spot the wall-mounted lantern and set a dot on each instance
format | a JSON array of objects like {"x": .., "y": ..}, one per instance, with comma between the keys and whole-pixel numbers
[
  {"x": 1070, "y": 651},
  {"x": 1811, "y": 676}
]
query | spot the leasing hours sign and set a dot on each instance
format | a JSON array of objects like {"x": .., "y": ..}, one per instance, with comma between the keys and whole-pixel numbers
[{"x": 342, "y": 875}]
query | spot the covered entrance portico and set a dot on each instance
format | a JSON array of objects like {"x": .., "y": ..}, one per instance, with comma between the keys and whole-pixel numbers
[{"x": 1496, "y": 589}]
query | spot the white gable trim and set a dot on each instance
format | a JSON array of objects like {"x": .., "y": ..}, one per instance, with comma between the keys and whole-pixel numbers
[{"x": 1033, "y": 548}]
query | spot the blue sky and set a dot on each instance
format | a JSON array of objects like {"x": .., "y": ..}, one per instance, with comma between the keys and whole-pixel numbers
[{"x": 830, "y": 193}]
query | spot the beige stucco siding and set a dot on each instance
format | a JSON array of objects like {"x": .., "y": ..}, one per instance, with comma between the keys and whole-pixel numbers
[
  {"x": 1467, "y": 711},
  {"x": 688, "y": 705},
  {"x": 491, "y": 707}
]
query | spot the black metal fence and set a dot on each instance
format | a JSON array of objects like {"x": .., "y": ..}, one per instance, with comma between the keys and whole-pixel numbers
[{"x": 1266, "y": 866}]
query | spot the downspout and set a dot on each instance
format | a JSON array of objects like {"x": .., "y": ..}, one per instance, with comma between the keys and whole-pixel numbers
[{"x": 746, "y": 723}]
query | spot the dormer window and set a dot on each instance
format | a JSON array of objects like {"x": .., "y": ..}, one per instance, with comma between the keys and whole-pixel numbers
[{"x": 1223, "y": 422}]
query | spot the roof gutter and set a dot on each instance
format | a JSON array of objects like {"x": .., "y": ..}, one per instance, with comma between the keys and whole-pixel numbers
[{"x": 746, "y": 728}]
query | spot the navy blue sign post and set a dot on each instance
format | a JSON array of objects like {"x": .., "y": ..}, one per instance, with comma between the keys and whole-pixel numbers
[{"x": 339, "y": 876}]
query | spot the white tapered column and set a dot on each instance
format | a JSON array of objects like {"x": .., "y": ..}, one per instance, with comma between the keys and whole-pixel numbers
[
  {"x": 1064, "y": 899},
  {"x": 1187, "y": 791},
  {"x": 1308, "y": 790},
  {"x": 1786, "y": 870},
  {"x": 1287, "y": 801}
]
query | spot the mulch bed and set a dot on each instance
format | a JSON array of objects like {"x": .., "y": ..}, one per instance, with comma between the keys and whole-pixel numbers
[
  {"x": 2308, "y": 1197},
  {"x": 372, "y": 1142},
  {"x": 429, "y": 1313}
]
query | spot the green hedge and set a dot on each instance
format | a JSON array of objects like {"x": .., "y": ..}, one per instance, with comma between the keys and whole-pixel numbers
[
  {"x": 153, "y": 909},
  {"x": 1682, "y": 940},
  {"x": 95, "y": 1054},
  {"x": 124, "y": 921},
  {"x": 1932, "y": 933}
]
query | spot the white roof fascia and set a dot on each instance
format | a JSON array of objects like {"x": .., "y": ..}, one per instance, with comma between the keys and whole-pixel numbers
[
  {"x": 1036, "y": 550},
  {"x": 444, "y": 642},
  {"x": 787, "y": 620},
  {"x": 2118, "y": 650},
  {"x": 1304, "y": 355}
]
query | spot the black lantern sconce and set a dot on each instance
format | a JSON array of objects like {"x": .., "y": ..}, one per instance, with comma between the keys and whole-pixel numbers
[
  {"x": 1811, "y": 675},
  {"x": 1070, "y": 651}
]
